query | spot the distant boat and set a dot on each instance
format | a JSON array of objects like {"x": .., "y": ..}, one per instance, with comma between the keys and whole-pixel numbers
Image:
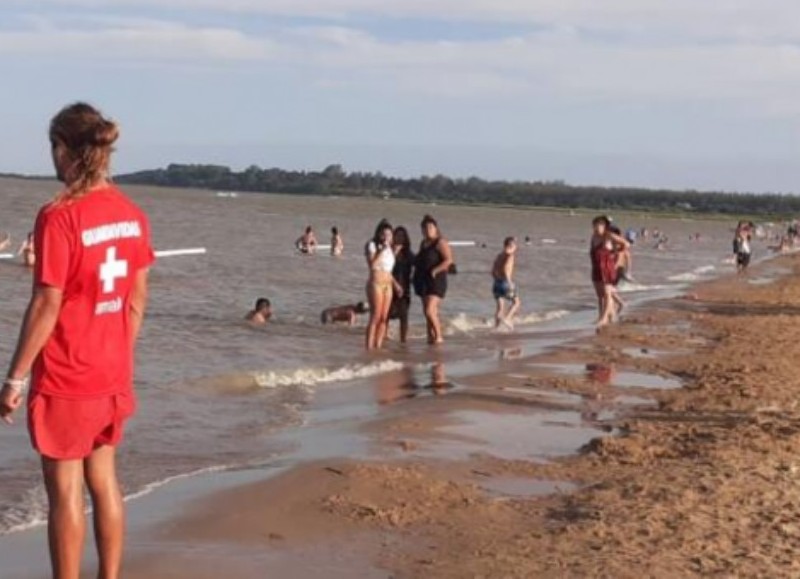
[{"x": 227, "y": 195}]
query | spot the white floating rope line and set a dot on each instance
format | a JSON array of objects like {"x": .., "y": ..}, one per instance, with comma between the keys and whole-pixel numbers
[{"x": 163, "y": 253}]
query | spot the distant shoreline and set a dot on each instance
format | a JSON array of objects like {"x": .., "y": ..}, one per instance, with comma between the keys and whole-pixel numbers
[{"x": 543, "y": 196}]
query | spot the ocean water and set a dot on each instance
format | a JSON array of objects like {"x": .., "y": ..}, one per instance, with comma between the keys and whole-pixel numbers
[{"x": 215, "y": 393}]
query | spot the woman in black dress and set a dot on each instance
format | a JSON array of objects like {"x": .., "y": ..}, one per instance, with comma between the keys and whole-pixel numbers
[
  {"x": 430, "y": 275},
  {"x": 403, "y": 268}
]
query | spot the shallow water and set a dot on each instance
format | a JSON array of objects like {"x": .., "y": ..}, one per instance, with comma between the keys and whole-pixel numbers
[{"x": 214, "y": 392}]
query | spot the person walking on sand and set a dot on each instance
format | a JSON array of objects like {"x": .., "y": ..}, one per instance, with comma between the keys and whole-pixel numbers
[
  {"x": 504, "y": 289},
  {"x": 77, "y": 340},
  {"x": 381, "y": 286},
  {"x": 337, "y": 243},
  {"x": 432, "y": 263},
  {"x": 603, "y": 253},
  {"x": 402, "y": 273}
]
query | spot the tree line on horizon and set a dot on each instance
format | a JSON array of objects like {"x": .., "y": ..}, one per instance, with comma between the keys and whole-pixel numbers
[{"x": 334, "y": 180}]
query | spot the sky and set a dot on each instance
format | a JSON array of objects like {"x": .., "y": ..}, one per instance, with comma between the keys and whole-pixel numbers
[{"x": 688, "y": 94}]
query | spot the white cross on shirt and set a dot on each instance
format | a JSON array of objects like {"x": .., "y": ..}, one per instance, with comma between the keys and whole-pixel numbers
[{"x": 112, "y": 270}]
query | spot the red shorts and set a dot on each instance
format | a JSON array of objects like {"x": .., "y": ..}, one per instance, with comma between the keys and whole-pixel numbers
[{"x": 64, "y": 429}]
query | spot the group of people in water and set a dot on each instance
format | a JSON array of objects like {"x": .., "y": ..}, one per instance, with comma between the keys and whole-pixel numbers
[
  {"x": 395, "y": 270},
  {"x": 26, "y": 252}
]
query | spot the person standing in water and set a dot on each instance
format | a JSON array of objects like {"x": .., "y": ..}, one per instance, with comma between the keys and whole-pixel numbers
[
  {"x": 77, "y": 340},
  {"x": 381, "y": 285},
  {"x": 27, "y": 251},
  {"x": 307, "y": 243},
  {"x": 432, "y": 263},
  {"x": 504, "y": 289},
  {"x": 337, "y": 243},
  {"x": 603, "y": 252},
  {"x": 742, "y": 249},
  {"x": 403, "y": 269}
]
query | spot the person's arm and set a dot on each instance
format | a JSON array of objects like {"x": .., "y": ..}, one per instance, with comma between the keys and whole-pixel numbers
[
  {"x": 139, "y": 295},
  {"x": 508, "y": 269},
  {"x": 620, "y": 241},
  {"x": 373, "y": 254},
  {"x": 447, "y": 258},
  {"x": 37, "y": 327}
]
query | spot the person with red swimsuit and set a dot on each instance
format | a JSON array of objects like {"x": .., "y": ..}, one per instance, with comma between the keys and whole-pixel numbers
[
  {"x": 603, "y": 253},
  {"x": 90, "y": 288}
]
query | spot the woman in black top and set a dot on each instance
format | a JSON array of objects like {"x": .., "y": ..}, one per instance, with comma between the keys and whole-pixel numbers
[
  {"x": 403, "y": 268},
  {"x": 430, "y": 275}
]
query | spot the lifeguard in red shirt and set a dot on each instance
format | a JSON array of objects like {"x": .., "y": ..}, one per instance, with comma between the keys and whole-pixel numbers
[{"x": 90, "y": 287}]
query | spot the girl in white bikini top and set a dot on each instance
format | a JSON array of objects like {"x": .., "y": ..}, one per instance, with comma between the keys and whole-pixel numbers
[{"x": 386, "y": 258}]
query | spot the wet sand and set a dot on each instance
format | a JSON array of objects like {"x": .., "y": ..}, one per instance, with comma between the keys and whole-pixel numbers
[{"x": 667, "y": 446}]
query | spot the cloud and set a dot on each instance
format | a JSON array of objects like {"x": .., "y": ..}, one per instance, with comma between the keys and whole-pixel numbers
[
  {"x": 149, "y": 40},
  {"x": 744, "y": 19},
  {"x": 559, "y": 61}
]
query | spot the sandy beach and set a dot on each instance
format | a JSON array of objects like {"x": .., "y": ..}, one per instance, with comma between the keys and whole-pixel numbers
[{"x": 685, "y": 464}]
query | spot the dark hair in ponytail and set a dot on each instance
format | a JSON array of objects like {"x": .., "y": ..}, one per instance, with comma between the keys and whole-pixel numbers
[{"x": 87, "y": 139}]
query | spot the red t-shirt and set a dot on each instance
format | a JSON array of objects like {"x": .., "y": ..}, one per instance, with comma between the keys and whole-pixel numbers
[{"x": 91, "y": 249}]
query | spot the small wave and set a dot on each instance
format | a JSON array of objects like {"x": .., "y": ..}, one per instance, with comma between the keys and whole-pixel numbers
[
  {"x": 155, "y": 485},
  {"x": 31, "y": 511},
  {"x": 628, "y": 287},
  {"x": 693, "y": 275},
  {"x": 314, "y": 376},
  {"x": 465, "y": 324},
  {"x": 28, "y": 513}
]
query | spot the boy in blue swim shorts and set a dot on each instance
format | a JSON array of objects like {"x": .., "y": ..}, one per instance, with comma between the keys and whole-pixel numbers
[{"x": 504, "y": 288}]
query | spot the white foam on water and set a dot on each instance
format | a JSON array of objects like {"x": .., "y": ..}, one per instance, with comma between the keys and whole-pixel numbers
[
  {"x": 155, "y": 485},
  {"x": 694, "y": 275},
  {"x": 31, "y": 511},
  {"x": 314, "y": 376},
  {"x": 28, "y": 513},
  {"x": 465, "y": 324},
  {"x": 628, "y": 287}
]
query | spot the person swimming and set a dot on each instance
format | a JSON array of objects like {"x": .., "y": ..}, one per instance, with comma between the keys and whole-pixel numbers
[
  {"x": 261, "y": 314},
  {"x": 504, "y": 289},
  {"x": 307, "y": 243},
  {"x": 344, "y": 314},
  {"x": 337, "y": 243}
]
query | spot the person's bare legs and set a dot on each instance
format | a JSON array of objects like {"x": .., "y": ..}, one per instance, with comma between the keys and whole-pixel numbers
[
  {"x": 499, "y": 314},
  {"x": 382, "y": 327},
  {"x": 432, "y": 315},
  {"x": 373, "y": 296},
  {"x": 515, "y": 305},
  {"x": 66, "y": 518},
  {"x": 404, "y": 327},
  {"x": 108, "y": 510},
  {"x": 600, "y": 291},
  {"x": 608, "y": 307},
  {"x": 619, "y": 304}
]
